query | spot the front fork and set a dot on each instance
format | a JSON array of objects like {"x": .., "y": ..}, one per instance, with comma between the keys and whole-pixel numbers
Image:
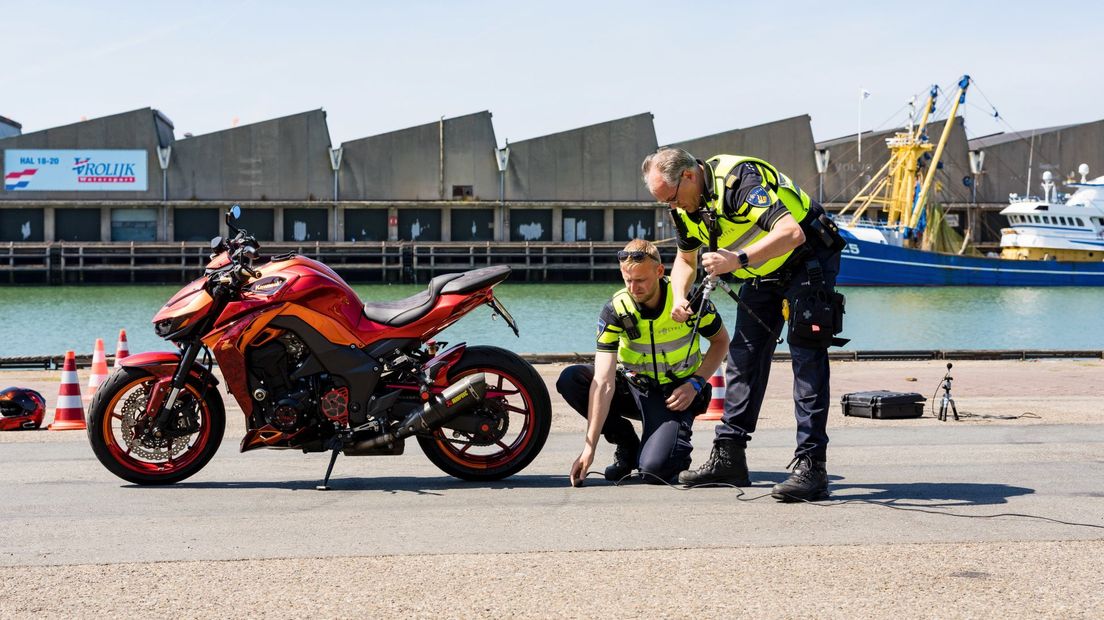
[
  {"x": 176, "y": 385},
  {"x": 162, "y": 404}
]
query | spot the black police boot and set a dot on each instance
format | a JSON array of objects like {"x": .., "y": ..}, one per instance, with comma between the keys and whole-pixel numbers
[
  {"x": 808, "y": 482},
  {"x": 727, "y": 464},
  {"x": 624, "y": 459}
]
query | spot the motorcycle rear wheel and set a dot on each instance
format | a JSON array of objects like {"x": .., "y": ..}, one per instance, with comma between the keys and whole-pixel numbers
[
  {"x": 119, "y": 407},
  {"x": 513, "y": 388}
]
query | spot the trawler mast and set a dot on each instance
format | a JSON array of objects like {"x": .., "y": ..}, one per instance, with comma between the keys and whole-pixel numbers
[{"x": 894, "y": 186}]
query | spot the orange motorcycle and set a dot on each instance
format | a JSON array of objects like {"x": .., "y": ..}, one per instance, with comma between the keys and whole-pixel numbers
[{"x": 315, "y": 369}]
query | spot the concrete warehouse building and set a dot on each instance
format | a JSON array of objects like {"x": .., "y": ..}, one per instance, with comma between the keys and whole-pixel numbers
[
  {"x": 283, "y": 161},
  {"x": 1015, "y": 161},
  {"x": 787, "y": 143},
  {"x": 431, "y": 171},
  {"x": 584, "y": 184},
  {"x": 447, "y": 180},
  {"x": 58, "y": 215},
  {"x": 9, "y": 128}
]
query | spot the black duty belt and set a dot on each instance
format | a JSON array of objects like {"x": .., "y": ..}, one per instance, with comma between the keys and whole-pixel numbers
[{"x": 781, "y": 276}]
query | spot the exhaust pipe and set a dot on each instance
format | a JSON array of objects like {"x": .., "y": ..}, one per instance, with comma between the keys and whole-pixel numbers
[{"x": 455, "y": 400}]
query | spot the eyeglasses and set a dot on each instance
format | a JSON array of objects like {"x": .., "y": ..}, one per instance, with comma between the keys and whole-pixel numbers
[
  {"x": 674, "y": 197},
  {"x": 637, "y": 257}
]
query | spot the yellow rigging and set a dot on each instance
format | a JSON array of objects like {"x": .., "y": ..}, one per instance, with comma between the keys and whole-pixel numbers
[{"x": 894, "y": 187}]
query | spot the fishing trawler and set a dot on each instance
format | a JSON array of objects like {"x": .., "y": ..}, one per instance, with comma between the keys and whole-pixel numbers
[{"x": 1053, "y": 241}]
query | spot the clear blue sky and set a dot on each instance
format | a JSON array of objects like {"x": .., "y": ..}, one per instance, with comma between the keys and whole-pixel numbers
[{"x": 700, "y": 67}]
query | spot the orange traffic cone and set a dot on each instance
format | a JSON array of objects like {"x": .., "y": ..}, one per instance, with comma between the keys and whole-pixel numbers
[
  {"x": 99, "y": 367},
  {"x": 69, "y": 414},
  {"x": 122, "y": 350},
  {"x": 716, "y": 404}
]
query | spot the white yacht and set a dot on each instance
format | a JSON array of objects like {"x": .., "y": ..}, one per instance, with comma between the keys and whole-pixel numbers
[{"x": 1058, "y": 226}]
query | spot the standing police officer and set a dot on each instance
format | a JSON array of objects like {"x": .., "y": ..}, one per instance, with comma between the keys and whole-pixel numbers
[
  {"x": 766, "y": 231},
  {"x": 660, "y": 381}
]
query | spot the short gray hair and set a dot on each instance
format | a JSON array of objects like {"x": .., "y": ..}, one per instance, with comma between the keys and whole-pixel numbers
[{"x": 670, "y": 161}]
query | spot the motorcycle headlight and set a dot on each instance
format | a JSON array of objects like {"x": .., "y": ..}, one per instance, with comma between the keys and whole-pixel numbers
[
  {"x": 163, "y": 328},
  {"x": 172, "y": 328}
]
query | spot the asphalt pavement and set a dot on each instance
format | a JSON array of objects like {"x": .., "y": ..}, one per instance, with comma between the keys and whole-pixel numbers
[{"x": 980, "y": 518}]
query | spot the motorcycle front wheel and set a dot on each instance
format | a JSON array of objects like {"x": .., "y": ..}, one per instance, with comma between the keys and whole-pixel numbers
[
  {"x": 516, "y": 409},
  {"x": 117, "y": 418}
]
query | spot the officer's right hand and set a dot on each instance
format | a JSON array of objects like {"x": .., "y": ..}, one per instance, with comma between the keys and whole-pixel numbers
[
  {"x": 681, "y": 312},
  {"x": 581, "y": 466}
]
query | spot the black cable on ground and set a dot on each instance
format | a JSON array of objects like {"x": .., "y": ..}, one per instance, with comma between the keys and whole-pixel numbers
[
  {"x": 842, "y": 502},
  {"x": 985, "y": 416}
]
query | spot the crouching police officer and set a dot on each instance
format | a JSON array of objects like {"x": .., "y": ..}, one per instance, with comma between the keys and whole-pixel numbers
[
  {"x": 661, "y": 379},
  {"x": 764, "y": 230}
]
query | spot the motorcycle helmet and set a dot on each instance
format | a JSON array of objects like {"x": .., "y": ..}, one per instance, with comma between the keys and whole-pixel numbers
[{"x": 21, "y": 408}]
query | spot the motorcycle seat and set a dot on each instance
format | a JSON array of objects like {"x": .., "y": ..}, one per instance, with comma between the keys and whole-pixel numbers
[{"x": 410, "y": 309}]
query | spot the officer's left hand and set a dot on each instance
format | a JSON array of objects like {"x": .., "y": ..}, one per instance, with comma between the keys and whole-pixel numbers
[
  {"x": 721, "y": 261},
  {"x": 682, "y": 397}
]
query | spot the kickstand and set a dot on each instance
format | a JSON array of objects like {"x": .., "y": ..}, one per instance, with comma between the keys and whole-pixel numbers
[{"x": 335, "y": 443}]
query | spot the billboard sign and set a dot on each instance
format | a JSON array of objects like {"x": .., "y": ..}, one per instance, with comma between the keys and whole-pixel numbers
[{"x": 37, "y": 170}]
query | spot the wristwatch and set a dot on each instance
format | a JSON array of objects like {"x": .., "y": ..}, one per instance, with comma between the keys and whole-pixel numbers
[
  {"x": 742, "y": 255},
  {"x": 697, "y": 382}
]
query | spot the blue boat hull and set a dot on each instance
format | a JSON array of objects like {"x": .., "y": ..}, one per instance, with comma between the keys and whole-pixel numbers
[{"x": 873, "y": 264}]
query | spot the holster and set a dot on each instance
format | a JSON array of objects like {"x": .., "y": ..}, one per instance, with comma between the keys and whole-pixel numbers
[
  {"x": 820, "y": 229},
  {"x": 816, "y": 313},
  {"x": 641, "y": 383},
  {"x": 646, "y": 385}
]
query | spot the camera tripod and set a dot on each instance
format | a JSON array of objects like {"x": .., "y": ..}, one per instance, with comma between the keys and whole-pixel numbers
[{"x": 948, "y": 400}]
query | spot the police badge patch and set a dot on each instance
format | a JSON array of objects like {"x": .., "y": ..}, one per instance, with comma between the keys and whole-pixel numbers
[{"x": 758, "y": 197}]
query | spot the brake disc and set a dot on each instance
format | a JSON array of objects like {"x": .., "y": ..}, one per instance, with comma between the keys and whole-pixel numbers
[{"x": 140, "y": 443}]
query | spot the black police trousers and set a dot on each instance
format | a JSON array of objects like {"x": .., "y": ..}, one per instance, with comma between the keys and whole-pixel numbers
[
  {"x": 749, "y": 362},
  {"x": 665, "y": 445}
]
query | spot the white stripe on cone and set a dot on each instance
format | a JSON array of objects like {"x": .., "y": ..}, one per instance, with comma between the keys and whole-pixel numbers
[
  {"x": 716, "y": 403},
  {"x": 69, "y": 412},
  {"x": 70, "y": 402},
  {"x": 99, "y": 367},
  {"x": 122, "y": 349}
]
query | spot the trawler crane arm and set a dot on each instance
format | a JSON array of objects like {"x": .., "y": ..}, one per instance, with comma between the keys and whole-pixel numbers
[
  {"x": 918, "y": 206},
  {"x": 928, "y": 109}
]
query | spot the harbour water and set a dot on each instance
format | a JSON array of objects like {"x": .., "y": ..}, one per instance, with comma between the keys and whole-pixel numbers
[{"x": 561, "y": 318}]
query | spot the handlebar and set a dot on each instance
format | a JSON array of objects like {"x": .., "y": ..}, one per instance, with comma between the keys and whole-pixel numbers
[{"x": 242, "y": 250}]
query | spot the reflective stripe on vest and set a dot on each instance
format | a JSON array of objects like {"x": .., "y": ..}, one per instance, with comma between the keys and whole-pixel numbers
[
  {"x": 664, "y": 344},
  {"x": 742, "y": 232}
]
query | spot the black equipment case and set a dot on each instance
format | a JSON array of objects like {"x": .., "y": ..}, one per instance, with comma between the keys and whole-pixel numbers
[{"x": 882, "y": 404}]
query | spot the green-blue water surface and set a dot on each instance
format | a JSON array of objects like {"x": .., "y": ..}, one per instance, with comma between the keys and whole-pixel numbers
[{"x": 560, "y": 318}]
